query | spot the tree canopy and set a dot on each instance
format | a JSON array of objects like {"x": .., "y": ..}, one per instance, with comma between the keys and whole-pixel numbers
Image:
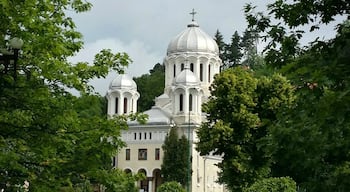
[
  {"x": 306, "y": 140},
  {"x": 175, "y": 158},
  {"x": 150, "y": 86},
  {"x": 241, "y": 107},
  {"x": 50, "y": 139}
]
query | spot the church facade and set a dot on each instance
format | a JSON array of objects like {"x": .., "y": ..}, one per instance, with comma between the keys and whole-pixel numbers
[{"x": 191, "y": 62}]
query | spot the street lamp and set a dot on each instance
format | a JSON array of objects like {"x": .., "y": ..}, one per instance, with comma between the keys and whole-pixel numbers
[{"x": 6, "y": 56}]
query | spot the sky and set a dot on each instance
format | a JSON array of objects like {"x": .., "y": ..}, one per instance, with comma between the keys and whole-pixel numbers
[{"x": 143, "y": 29}]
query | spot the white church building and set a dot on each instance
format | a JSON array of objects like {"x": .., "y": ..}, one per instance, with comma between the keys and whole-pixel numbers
[{"x": 191, "y": 61}]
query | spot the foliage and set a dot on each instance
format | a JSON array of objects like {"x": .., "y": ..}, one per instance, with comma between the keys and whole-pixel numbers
[
  {"x": 50, "y": 138},
  {"x": 310, "y": 142},
  {"x": 150, "y": 86},
  {"x": 172, "y": 186},
  {"x": 233, "y": 51},
  {"x": 281, "y": 184},
  {"x": 240, "y": 109},
  {"x": 175, "y": 158},
  {"x": 249, "y": 47},
  {"x": 219, "y": 39}
]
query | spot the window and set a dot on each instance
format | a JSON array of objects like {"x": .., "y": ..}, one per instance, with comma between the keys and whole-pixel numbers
[
  {"x": 114, "y": 161},
  {"x": 140, "y": 136},
  {"x": 182, "y": 66},
  {"x": 191, "y": 67},
  {"x": 116, "y": 105},
  {"x": 127, "y": 154},
  {"x": 145, "y": 135},
  {"x": 201, "y": 72},
  {"x": 174, "y": 70},
  {"x": 150, "y": 135},
  {"x": 125, "y": 105},
  {"x": 209, "y": 73},
  {"x": 181, "y": 102},
  {"x": 142, "y": 154},
  {"x": 190, "y": 103},
  {"x": 135, "y": 136},
  {"x": 157, "y": 154}
]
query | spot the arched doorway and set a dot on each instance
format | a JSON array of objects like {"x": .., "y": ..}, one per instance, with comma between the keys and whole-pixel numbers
[
  {"x": 156, "y": 179},
  {"x": 143, "y": 185}
]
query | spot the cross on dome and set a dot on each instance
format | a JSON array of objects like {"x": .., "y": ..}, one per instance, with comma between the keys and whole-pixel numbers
[{"x": 193, "y": 13}]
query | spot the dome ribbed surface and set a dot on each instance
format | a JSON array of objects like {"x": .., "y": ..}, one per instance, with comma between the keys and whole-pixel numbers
[
  {"x": 192, "y": 39},
  {"x": 123, "y": 81}
]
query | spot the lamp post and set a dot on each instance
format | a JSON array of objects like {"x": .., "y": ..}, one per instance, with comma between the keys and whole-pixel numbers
[{"x": 7, "y": 56}]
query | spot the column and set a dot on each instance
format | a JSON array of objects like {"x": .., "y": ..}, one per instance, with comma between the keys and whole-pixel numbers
[{"x": 150, "y": 187}]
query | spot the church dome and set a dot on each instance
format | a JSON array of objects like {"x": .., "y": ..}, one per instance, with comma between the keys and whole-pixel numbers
[
  {"x": 187, "y": 77},
  {"x": 123, "y": 81},
  {"x": 192, "y": 39}
]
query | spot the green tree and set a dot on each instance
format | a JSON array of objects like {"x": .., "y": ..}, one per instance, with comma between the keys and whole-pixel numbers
[
  {"x": 49, "y": 137},
  {"x": 219, "y": 39},
  {"x": 233, "y": 51},
  {"x": 281, "y": 184},
  {"x": 240, "y": 109},
  {"x": 150, "y": 86},
  {"x": 175, "y": 158},
  {"x": 249, "y": 47},
  {"x": 172, "y": 186},
  {"x": 310, "y": 142}
]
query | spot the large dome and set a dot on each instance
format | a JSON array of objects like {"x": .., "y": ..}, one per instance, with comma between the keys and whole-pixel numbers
[
  {"x": 123, "y": 81},
  {"x": 193, "y": 39}
]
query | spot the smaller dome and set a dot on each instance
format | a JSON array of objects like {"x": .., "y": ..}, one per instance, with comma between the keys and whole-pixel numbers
[
  {"x": 187, "y": 77},
  {"x": 123, "y": 81}
]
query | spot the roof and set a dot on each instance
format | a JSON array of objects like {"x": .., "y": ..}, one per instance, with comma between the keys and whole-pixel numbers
[
  {"x": 192, "y": 39},
  {"x": 123, "y": 81}
]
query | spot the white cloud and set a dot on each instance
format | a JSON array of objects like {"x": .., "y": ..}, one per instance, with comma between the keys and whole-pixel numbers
[{"x": 143, "y": 58}]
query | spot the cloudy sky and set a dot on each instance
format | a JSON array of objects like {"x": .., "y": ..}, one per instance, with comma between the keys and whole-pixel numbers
[{"x": 143, "y": 29}]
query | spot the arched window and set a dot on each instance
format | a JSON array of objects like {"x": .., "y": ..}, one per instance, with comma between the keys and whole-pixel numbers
[
  {"x": 190, "y": 107},
  {"x": 201, "y": 72},
  {"x": 125, "y": 105},
  {"x": 174, "y": 70},
  {"x": 181, "y": 102},
  {"x": 209, "y": 72},
  {"x": 191, "y": 67},
  {"x": 182, "y": 66},
  {"x": 116, "y": 105}
]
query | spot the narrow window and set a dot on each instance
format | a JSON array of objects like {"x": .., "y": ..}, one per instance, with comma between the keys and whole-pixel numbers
[
  {"x": 157, "y": 154},
  {"x": 191, "y": 67},
  {"x": 140, "y": 136},
  {"x": 201, "y": 72},
  {"x": 150, "y": 135},
  {"x": 145, "y": 135},
  {"x": 174, "y": 70},
  {"x": 182, "y": 66},
  {"x": 181, "y": 102},
  {"x": 142, "y": 154},
  {"x": 116, "y": 105},
  {"x": 209, "y": 73},
  {"x": 190, "y": 102},
  {"x": 125, "y": 105},
  {"x": 135, "y": 136},
  {"x": 114, "y": 161},
  {"x": 127, "y": 154}
]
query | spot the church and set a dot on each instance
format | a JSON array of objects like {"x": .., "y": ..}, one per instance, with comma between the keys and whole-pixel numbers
[{"x": 191, "y": 61}]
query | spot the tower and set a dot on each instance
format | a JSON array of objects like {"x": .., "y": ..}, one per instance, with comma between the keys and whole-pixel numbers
[{"x": 122, "y": 96}]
